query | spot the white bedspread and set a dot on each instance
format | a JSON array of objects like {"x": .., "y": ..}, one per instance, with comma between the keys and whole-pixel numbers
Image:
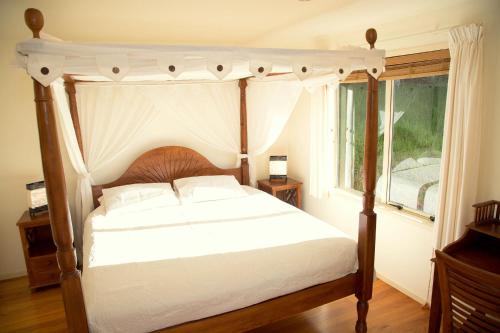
[{"x": 158, "y": 268}]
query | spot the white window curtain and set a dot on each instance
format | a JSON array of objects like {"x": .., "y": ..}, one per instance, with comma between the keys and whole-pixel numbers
[
  {"x": 462, "y": 130},
  {"x": 321, "y": 140},
  {"x": 270, "y": 102}
]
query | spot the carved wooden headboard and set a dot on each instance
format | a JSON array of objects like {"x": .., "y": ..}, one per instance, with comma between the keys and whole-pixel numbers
[{"x": 165, "y": 164}]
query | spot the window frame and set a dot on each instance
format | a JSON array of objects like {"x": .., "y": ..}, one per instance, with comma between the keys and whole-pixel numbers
[{"x": 426, "y": 64}]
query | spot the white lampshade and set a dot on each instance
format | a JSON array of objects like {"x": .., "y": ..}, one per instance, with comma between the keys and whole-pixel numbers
[
  {"x": 277, "y": 168},
  {"x": 37, "y": 197}
]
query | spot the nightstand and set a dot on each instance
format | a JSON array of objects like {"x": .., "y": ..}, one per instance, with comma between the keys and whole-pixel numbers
[
  {"x": 39, "y": 250},
  {"x": 289, "y": 191}
]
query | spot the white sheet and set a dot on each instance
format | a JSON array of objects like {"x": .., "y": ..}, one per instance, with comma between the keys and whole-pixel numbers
[{"x": 166, "y": 266}]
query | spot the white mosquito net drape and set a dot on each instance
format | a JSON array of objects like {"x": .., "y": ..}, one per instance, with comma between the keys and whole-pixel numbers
[
  {"x": 118, "y": 117},
  {"x": 114, "y": 122},
  {"x": 270, "y": 103}
]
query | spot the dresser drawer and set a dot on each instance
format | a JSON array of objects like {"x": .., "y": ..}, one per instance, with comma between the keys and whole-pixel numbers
[
  {"x": 44, "y": 263},
  {"x": 38, "y": 279}
]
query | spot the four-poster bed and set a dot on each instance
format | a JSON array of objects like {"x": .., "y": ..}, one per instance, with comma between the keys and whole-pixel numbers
[{"x": 170, "y": 163}]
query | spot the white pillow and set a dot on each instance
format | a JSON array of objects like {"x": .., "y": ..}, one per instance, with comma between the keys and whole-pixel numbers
[
  {"x": 136, "y": 197},
  {"x": 208, "y": 188}
]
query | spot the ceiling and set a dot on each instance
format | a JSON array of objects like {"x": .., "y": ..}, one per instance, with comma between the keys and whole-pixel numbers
[
  {"x": 229, "y": 22},
  {"x": 403, "y": 25}
]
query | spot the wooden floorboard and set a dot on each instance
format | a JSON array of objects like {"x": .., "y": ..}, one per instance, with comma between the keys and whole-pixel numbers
[{"x": 390, "y": 311}]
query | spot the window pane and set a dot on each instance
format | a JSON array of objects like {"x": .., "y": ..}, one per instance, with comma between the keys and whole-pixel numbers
[
  {"x": 417, "y": 137},
  {"x": 352, "y": 116}
]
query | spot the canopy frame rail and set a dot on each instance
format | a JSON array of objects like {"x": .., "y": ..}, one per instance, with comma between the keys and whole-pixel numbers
[{"x": 361, "y": 283}]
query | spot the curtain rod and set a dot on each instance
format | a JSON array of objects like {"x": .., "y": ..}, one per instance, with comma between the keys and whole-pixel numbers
[
  {"x": 430, "y": 31},
  {"x": 416, "y": 34}
]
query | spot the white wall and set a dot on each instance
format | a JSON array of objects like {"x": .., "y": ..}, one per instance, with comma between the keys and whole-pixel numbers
[
  {"x": 19, "y": 159},
  {"x": 489, "y": 175}
]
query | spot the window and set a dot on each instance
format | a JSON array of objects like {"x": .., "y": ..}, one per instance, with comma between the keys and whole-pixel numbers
[
  {"x": 417, "y": 137},
  {"x": 411, "y": 122},
  {"x": 352, "y": 115}
]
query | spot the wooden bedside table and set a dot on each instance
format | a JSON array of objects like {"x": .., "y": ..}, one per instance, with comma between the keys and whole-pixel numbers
[
  {"x": 39, "y": 250},
  {"x": 289, "y": 191}
]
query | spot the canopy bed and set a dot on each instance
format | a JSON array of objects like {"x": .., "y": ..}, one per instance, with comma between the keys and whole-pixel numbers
[{"x": 48, "y": 60}]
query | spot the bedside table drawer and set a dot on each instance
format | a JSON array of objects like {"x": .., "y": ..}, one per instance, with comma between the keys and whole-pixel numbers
[
  {"x": 44, "y": 263},
  {"x": 39, "y": 250},
  {"x": 45, "y": 278}
]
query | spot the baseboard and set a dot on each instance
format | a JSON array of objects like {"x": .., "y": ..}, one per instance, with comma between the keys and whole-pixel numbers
[
  {"x": 8, "y": 276},
  {"x": 401, "y": 289}
]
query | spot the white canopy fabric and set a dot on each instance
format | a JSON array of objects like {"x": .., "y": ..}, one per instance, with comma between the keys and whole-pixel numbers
[
  {"x": 110, "y": 122},
  {"x": 46, "y": 60},
  {"x": 119, "y": 119},
  {"x": 270, "y": 102}
]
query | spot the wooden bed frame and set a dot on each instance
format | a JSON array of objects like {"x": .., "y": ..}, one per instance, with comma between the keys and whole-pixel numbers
[{"x": 168, "y": 163}]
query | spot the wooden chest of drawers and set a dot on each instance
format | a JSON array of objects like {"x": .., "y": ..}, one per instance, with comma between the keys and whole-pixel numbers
[{"x": 39, "y": 250}]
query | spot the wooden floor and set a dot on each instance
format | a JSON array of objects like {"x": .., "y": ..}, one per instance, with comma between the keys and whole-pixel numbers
[{"x": 390, "y": 311}]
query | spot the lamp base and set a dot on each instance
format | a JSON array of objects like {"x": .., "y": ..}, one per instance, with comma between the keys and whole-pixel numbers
[
  {"x": 38, "y": 210},
  {"x": 278, "y": 179}
]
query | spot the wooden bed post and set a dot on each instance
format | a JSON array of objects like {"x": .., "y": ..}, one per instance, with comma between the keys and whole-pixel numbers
[
  {"x": 69, "y": 85},
  {"x": 60, "y": 219},
  {"x": 367, "y": 217},
  {"x": 245, "y": 177}
]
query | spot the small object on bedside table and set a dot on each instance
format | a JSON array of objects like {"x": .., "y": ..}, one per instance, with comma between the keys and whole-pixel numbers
[
  {"x": 39, "y": 250},
  {"x": 277, "y": 168},
  {"x": 37, "y": 198},
  {"x": 289, "y": 191}
]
